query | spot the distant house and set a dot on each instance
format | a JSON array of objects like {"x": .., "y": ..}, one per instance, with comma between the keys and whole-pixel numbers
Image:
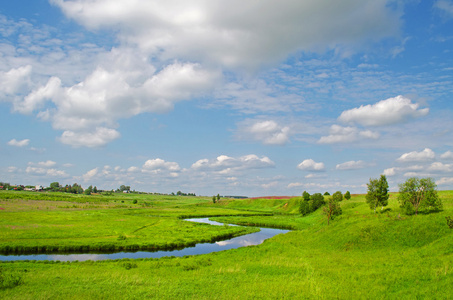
[{"x": 39, "y": 188}]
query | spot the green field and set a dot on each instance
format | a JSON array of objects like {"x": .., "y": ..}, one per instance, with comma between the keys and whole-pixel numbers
[{"x": 360, "y": 255}]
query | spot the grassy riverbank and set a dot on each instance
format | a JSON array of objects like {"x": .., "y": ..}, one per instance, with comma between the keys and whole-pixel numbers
[{"x": 361, "y": 255}]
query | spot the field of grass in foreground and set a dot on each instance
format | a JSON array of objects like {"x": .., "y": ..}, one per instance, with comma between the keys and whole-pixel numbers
[{"x": 361, "y": 255}]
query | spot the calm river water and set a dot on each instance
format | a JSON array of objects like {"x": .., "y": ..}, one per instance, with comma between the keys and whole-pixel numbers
[{"x": 255, "y": 238}]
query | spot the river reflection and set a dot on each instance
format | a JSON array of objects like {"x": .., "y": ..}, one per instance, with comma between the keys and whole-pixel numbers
[{"x": 255, "y": 238}]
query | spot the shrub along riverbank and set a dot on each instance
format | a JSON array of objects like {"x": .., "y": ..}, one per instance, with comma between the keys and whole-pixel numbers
[{"x": 360, "y": 255}]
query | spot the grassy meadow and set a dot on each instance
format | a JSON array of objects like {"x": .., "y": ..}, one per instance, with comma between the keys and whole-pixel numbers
[{"x": 360, "y": 255}]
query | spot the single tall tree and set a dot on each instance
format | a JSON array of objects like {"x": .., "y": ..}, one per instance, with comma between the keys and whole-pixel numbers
[
  {"x": 306, "y": 195},
  {"x": 377, "y": 194},
  {"x": 332, "y": 209},
  {"x": 347, "y": 195},
  {"x": 338, "y": 196},
  {"x": 418, "y": 193}
]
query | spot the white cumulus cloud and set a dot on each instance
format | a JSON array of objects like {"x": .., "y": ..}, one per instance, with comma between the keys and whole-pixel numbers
[
  {"x": 159, "y": 165},
  {"x": 390, "y": 172},
  {"x": 352, "y": 165},
  {"x": 15, "y": 80},
  {"x": 19, "y": 143},
  {"x": 385, "y": 112},
  {"x": 100, "y": 137},
  {"x": 268, "y": 132},
  {"x": 235, "y": 33},
  {"x": 414, "y": 156},
  {"x": 447, "y": 155},
  {"x": 440, "y": 167},
  {"x": 90, "y": 174},
  {"x": 445, "y": 181},
  {"x": 227, "y": 164},
  {"x": 340, "y": 134},
  {"x": 311, "y": 165}
]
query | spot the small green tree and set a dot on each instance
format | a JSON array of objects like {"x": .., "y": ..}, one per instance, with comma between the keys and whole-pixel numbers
[
  {"x": 214, "y": 199},
  {"x": 332, "y": 209},
  {"x": 55, "y": 186},
  {"x": 326, "y": 194},
  {"x": 304, "y": 208},
  {"x": 347, "y": 195},
  {"x": 218, "y": 197},
  {"x": 416, "y": 194},
  {"x": 306, "y": 196},
  {"x": 317, "y": 201},
  {"x": 338, "y": 196},
  {"x": 377, "y": 194},
  {"x": 88, "y": 190}
]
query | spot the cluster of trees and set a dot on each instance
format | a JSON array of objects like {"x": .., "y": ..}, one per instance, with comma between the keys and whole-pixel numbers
[
  {"x": 179, "y": 193},
  {"x": 331, "y": 207},
  {"x": 311, "y": 203},
  {"x": 414, "y": 195},
  {"x": 216, "y": 198},
  {"x": 73, "y": 189}
]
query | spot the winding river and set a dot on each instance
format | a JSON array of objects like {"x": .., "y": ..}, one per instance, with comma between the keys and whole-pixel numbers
[{"x": 255, "y": 238}]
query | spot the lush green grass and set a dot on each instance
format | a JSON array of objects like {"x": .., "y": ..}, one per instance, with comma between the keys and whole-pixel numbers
[
  {"x": 361, "y": 255},
  {"x": 66, "y": 226}
]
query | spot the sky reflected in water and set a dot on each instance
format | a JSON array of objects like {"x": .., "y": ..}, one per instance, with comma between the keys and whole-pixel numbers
[{"x": 251, "y": 239}]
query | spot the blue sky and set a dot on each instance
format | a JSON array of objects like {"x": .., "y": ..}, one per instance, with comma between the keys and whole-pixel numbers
[{"x": 256, "y": 98}]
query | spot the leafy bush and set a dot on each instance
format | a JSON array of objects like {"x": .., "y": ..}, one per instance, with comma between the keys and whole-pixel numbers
[
  {"x": 420, "y": 194},
  {"x": 337, "y": 196},
  {"x": 304, "y": 208},
  {"x": 306, "y": 195},
  {"x": 315, "y": 202},
  {"x": 347, "y": 195}
]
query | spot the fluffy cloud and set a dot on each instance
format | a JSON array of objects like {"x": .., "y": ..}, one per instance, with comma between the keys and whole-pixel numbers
[
  {"x": 100, "y": 137},
  {"x": 390, "y": 172},
  {"x": 15, "y": 80},
  {"x": 44, "y": 164},
  {"x": 445, "y": 6},
  {"x": 226, "y": 164},
  {"x": 311, "y": 165},
  {"x": 340, "y": 134},
  {"x": 90, "y": 174},
  {"x": 447, "y": 155},
  {"x": 385, "y": 112},
  {"x": 88, "y": 110},
  {"x": 414, "y": 156},
  {"x": 440, "y": 167},
  {"x": 159, "y": 165},
  {"x": 352, "y": 165},
  {"x": 170, "y": 51},
  {"x": 233, "y": 33},
  {"x": 445, "y": 181},
  {"x": 45, "y": 168},
  {"x": 267, "y": 132},
  {"x": 21, "y": 143}
]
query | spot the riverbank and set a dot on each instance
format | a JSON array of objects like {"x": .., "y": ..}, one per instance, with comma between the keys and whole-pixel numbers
[{"x": 228, "y": 243}]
